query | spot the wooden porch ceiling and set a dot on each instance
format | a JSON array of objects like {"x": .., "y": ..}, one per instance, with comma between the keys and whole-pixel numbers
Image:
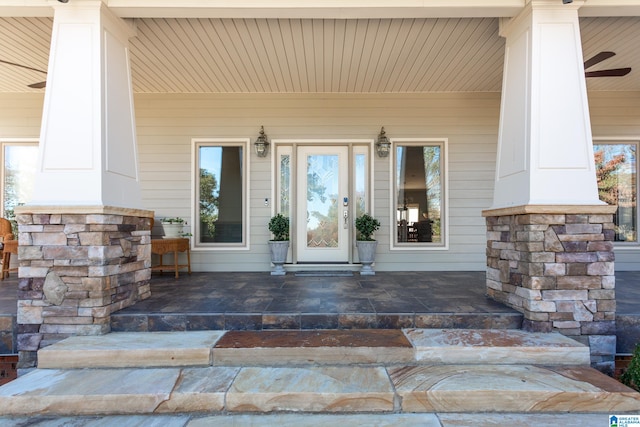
[{"x": 294, "y": 55}]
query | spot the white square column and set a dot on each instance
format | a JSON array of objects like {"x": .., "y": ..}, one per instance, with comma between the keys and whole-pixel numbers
[
  {"x": 545, "y": 153},
  {"x": 549, "y": 237},
  {"x": 88, "y": 153},
  {"x": 84, "y": 242}
]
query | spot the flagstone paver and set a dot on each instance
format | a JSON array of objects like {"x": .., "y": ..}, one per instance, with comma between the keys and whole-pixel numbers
[{"x": 127, "y": 349}]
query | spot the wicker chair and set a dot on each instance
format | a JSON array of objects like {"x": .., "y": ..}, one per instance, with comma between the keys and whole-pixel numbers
[
  {"x": 6, "y": 232},
  {"x": 9, "y": 246}
]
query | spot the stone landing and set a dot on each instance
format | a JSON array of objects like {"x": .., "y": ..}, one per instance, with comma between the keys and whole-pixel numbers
[
  {"x": 314, "y": 420},
  {"x": 317, "y": 372}
]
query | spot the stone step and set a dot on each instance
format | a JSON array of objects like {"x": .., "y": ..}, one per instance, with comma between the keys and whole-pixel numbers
[
  {"x": 131, "y": 349},
  {"x": 320, "y": 347},
  {"x": 488, "y": 346},
  {"x": 384, "y": 372},
  {"x": 314, "y": 420},
  {"x": 317, "y": 389},
  {"x": 181, "y": 322}
]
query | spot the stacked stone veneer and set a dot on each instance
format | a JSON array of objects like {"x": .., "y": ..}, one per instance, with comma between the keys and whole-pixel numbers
[
  {"x": 558, "y": 270},
  {"x": 74, "y": 271}
]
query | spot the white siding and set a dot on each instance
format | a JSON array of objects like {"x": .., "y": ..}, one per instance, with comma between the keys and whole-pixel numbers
[
  {"x": 20, "y": 115},
  {"x": 167, "y": 123}
]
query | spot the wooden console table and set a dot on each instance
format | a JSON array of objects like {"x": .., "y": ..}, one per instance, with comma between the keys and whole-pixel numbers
[{"x": 175, "y": 245}]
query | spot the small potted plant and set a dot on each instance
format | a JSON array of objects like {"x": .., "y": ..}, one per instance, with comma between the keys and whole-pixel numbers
[
  {"x": 172, "y": 227},
  {"x": 279, "y": 245},
  {"x": 366, "y": 225}
]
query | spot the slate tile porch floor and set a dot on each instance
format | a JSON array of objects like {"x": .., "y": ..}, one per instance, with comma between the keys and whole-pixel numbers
[
  {"x": 254, "y": 301},
  {"x": 386, "y": 300}
]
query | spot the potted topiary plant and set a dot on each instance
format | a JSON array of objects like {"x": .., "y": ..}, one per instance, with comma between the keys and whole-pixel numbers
[
  {"x": 172, "y": 227},
  {"x": 279, "y": 245},
  {"x": 366, "y": 225}
]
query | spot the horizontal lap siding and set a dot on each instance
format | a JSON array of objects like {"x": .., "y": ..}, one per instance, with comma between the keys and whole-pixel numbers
[
  {"x": 20, "y": 115},
  {"x": 166, "y": 124}
]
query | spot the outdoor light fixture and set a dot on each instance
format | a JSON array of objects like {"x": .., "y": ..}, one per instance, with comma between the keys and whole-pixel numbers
[
  {"x": 383, "y": 145},
  {"x": 567, "y": 1},
  {"x": 63, "y": 1},
  {"x": 262, "y": 144}
]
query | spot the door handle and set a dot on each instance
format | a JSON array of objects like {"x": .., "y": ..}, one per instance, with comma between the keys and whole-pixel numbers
[{"x": 345, "y": 214}]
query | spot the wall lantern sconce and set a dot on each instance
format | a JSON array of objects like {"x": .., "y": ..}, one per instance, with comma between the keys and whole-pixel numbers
[
  {"x": 262, "y": 144},
  {"x": 383, "y": 145}
]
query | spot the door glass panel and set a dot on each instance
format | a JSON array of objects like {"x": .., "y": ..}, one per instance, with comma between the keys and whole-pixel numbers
[
  {"x": 285, "y": 185},
  {"x": 360, "y": 178},
  {"x": 322, "y": 201}
]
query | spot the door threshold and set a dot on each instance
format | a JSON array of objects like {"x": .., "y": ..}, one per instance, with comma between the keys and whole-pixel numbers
[
  {"x": 322, "y": 267},
  {"x": 324, "y": 273}
]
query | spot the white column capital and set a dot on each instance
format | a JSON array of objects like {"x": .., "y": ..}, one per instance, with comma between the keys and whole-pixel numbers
[
  {"x": 78, "y": 10},
  {"x": 545, "y": 151},
  {"x": 560, "y": 11},
  {"x": 554, "y": 4}
]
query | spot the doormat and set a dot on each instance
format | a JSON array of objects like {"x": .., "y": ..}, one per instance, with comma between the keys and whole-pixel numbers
[{"x": 324, "y": 273}]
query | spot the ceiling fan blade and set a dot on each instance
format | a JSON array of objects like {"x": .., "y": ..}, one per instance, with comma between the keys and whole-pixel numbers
[
  {"x": 616, "y": 72},
  {"x": 598, "y": 58},
  {"x": 22, "y": 66},
  {"x": 39, "y": 85}
]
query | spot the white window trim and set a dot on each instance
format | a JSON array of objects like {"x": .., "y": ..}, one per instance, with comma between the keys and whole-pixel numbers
[
  {"x": 626, "y": 246},
  {"x": 246, "y": 179},
  {"x": 444, "y": 246}
]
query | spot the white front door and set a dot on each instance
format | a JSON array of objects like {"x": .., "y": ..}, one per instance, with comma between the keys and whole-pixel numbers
[{"x": 322, "y": 232}]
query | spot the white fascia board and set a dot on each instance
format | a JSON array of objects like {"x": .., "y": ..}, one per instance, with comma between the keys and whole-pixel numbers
[
  {"x": 329, "y": 9},
  {"x": 316, "y": 8},
  {"x": 601, "y": 8},
  {"x": 20, "y": 8}
]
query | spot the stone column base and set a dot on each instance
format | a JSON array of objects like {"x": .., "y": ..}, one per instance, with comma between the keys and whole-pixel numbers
[
  {"x": 77, "y": 265},
  {"x": 555, "y": 264}
]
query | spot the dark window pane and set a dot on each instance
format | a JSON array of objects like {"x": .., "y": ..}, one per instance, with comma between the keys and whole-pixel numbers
[
  {"x": 419, "y": 193},
  {"x": 221, "y": 195}
]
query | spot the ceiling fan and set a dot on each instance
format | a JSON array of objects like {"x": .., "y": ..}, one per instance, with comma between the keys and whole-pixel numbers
[
  {"x": 38, "y": 85},
  {"x": 598, "y": 58}
]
